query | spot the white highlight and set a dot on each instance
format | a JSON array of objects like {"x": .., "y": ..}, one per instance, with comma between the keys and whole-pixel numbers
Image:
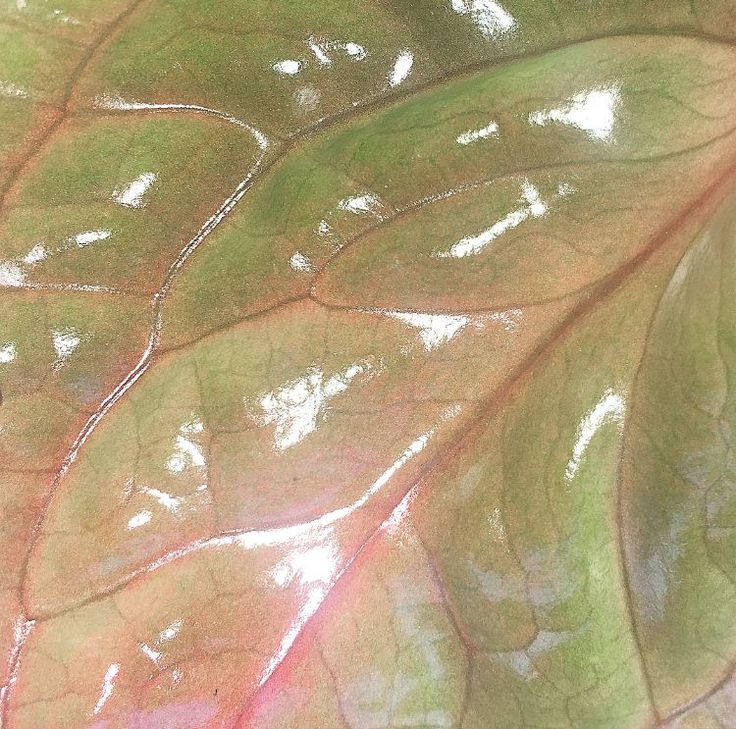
[
  {"x": 153, "y": 655},
  {"x": 65, "y": 343},
  {"x": 38, "y": 253},
  {"x": 108, "y": 684},
  {"x": 434, "y": 329},
  {"x": 8, "y": 353},
  {"x": 315, "y": 568},
  {"x": 11, "y": 275},
  {"x": 491, "y": 18},
  {"x": 187, "y": 451},
  {"x": 165, "y": 635},
  {"x": 171, "y": 631},
  {"x": 299, "y": 262},
  {"x": 287, "y": 67},
  {"x": 12, "y": 91},
  {"x": 355, "y": 50},
  {"x": 402, "y": 68},
  {"x": 89, "y": 236},
  {"x": 296, "y": 407},
  {"x": 132, "y": 195},
  {"x": 317, "y": 564},
  {"x": 320, "y": 53},
  {"x": 473, "y": 135},
  {"x": 508, "y": 319},
  {"x": 533, "y": 207},
  {"x": 593, "y": 112},
  {"x": 169, "y": 502},
  {"x": 610, "y": 406},
  {"x": 360, "y": 204},
  {"x": 323, "y": 48},
  {"x": 140, "y": 519}
]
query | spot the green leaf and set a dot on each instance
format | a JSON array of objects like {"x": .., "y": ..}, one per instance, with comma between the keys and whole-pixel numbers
[{"x": 367, "y": 365}]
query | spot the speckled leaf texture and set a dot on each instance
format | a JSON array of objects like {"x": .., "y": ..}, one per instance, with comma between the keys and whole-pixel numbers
[{"x": 367, "y": 364}]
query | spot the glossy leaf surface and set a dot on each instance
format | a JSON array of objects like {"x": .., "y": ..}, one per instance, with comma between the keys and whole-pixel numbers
[{"x": 367, "y": 364}]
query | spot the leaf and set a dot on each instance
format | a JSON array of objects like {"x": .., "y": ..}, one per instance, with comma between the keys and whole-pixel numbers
[{"x": 367, "y": 365}]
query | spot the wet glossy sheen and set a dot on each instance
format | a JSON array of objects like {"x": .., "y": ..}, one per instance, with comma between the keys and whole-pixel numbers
[{"x": 367, "y": 365}]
